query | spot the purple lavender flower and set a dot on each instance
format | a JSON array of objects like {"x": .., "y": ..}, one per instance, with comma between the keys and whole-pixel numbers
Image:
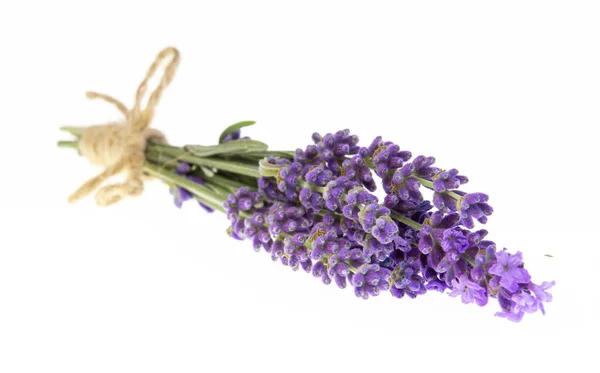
[
  {"x": 403, "y": 184},
  {"x": 388, "y": 157},
  {"x": 317, "y": 212},
  {"x": 454, "y": 239},
  {"x": 289, "y": 219},
  {"x": 268, "y": 186},
  {"x": 181, "y": 195},
  {"x": 325, "y": 241},
  {"x": 406, "y": 278},
  {"x": 423, "y": 167},
  {"x": 448, "y": 180},
  {"x": 336, "y": 191},
  {"x": 515, "y": 305},
  {"x": 320, "y": 270},
  {"x": 355, "y": 203},
  {"x": 513, "y": 315},
  {"x": 375, "y": 219},
  {"x": 433, "y": 229},
  {"x": 541, "y": 294},
  {"x": 525, "y": 302},
  {"x": 469, "y": 291},
  {"x": 339, "y": 264},
  {"x": 474, "y": 206},
  {"x": 234, "y": 135},
  {"x": 510, "y": 269},
  {"x": 243, "y": 199},
  {"x": 289, "y": 179},
  {"x": 247, "y": 213},
  {"x": 509, "y": 309},
  {"x": 355, "y": 169},
  {"x": 336, "y": 146},
  {"x": 369, "y": 280},
  {"x": 484, "y": 259},
  {"x": 433, "y": 280},
  {"x": 315, "y": 176},
  {"x": 444, "y": 202}
]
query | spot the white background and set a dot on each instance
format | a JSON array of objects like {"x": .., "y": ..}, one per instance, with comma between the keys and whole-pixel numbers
[{"x": 508, "y": 92}]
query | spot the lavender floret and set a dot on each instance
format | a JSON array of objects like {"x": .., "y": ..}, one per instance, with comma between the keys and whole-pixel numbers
[
  {"x": 369, "y": 280},
  {"x": 181, "y": 195},
  {"x": 469, "y": 291},
  {"x": 510, "y": 269}
]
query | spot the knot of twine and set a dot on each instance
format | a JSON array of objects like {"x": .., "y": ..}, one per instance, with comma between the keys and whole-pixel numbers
[{"x": 121, "y": 146}]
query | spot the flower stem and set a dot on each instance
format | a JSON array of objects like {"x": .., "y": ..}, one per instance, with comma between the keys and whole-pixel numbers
[
  {"x": 68, "y": 144},
  {"x": 313, "y": 187},
  {"x": 204, "y": 194},
  {"x": 227, "y": 183},
  {"x": 231, "y": 166},
  {"x": 403, "y": 219},
  {"x": 469, "y": 259},
  {"x": 429, "y": 184}
]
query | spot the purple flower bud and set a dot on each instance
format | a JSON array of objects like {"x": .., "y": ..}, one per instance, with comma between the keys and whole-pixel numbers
[
  {"x": 474, "y": 206},
  {"x": 306, "y": 265},
  {"x": 340, "y": 281},
  {"x": 375, "y": 220},
  {"x": 318, "y": 269},
  {"x": 454, "y": 239},
  {"x": 448, "y": 180}
]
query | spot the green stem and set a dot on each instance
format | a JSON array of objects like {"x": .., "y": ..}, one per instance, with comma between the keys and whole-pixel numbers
[
  {"x": 68, "y": 144},
  {"x": 207, "y": 196},
  {"x": 224, "y": 182},
  {"x": 426, "y": 183},
  {"x": 235, "y": 167},
  {"x": 75, "y": 131},
  {"x": 469, "y": 259},
  {"x": 403, "y": 219},
  {"x": 429, "y": 184},
  {"x": 369, "y": 163},
  {"x": 313, "y": 187},
  {"x": 274, "y": 153},
  {"x": 218, "y": 189}
]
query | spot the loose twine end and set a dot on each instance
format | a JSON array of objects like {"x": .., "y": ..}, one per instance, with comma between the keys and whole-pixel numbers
[{"x": 120, "y": 146}]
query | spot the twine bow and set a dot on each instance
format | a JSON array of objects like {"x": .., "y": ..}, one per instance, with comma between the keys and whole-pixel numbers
[{"x": 120, "y": 146}]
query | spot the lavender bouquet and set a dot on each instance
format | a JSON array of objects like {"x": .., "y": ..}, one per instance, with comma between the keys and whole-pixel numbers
[{"x": 315, "y": 209}]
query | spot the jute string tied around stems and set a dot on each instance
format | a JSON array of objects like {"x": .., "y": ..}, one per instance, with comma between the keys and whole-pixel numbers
[{"x": 120, "y": 146}]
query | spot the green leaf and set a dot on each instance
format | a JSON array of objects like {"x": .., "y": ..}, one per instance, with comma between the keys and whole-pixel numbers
[
  {"x": 227, "y": 148},
  {"x": 75, "y": 131},
  {"x": 235, "y": 127},
  {"x": 274, "y": 153}
]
